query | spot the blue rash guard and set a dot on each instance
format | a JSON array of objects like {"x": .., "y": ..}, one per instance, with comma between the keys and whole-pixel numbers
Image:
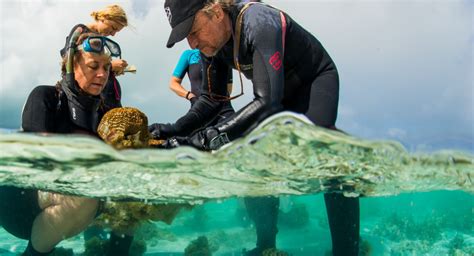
[{"x": 190, "y": 62}]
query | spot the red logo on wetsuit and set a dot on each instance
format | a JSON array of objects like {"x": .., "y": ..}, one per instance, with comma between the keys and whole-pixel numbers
[{"x": 275, "y": 61}]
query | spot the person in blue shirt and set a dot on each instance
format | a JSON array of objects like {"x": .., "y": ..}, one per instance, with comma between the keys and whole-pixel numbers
[{"x": 190, "y": 63}]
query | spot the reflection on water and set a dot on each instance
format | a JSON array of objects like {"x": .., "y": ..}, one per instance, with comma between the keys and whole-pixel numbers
[{"x": 284, "y": 156}]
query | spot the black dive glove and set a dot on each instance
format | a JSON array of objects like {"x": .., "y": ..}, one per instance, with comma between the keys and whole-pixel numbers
[
  {"x": 193, "y": 100},
  {"x": 208, "y": 139},
  {"x": 161, "y": 131}
]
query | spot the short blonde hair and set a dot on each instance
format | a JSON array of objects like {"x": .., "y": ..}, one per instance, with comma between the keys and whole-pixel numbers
[{"x": 112, "y": 12}]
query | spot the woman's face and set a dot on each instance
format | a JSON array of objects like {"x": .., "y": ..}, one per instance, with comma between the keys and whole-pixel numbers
[
  {"x": 209, "y": 34},
  {"x": 91, "y": 71},
  {"x": 108, "y": 27}
]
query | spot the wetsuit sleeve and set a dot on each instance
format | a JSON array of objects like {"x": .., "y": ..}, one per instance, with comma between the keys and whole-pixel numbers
[
  {"x": 262, "y": 31},
  {"x": 205, "y": 109},
  {"x": 39, "y": 111},
  {"x": 182, "y": 66}
]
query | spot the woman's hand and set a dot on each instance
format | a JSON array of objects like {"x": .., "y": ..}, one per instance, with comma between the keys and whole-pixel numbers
[{"x": 118, "y": 66}]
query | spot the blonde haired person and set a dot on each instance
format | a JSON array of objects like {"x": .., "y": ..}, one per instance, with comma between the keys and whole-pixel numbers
[{"x": 107, "y": 22}]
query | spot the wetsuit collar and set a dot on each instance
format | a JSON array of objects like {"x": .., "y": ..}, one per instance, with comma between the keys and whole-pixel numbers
[{"x": 83, "y": 108}]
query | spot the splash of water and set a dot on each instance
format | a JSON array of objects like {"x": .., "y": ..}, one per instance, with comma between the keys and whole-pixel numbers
[{"x": 286, "y": 154}]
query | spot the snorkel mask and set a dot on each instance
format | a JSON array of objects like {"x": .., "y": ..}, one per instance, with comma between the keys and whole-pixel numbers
[
  {"x": 95, "y": 44},
  {"x": 100, "y": 44}
]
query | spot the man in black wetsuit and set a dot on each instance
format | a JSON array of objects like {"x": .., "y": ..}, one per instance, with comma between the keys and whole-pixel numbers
[{"x": 289, "y": 70}]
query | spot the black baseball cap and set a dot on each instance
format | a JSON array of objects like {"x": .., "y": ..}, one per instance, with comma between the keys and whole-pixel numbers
[{"x": 181, "y": 17}]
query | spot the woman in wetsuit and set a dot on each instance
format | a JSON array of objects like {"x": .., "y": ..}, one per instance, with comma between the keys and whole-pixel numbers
[
  {"x": 74, "y": 105},
  {"x": 289, "y": 69},
  {"x": 107, "y": 22}
]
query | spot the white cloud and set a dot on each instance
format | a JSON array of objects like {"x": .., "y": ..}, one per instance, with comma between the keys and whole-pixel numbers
[{"x": 403, "y": 64}]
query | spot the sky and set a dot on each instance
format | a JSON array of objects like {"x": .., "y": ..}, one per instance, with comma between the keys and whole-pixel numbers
[{"x": 406, "y": 67}]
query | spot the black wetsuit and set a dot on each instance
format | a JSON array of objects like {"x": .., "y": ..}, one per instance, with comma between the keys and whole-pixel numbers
[
  {"x": 299, "y": 77},
  {"x": 46, "y": 110},
  {"x": 112, "y": 92}
]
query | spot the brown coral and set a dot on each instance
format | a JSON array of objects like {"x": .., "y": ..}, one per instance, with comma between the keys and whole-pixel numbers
[{"x": 125, "y": 127}]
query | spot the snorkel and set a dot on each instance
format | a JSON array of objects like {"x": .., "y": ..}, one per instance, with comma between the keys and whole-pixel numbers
[{"x": 71, "y": 50}]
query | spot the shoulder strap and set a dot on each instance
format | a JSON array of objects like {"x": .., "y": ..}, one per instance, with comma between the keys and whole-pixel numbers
[{"x": 238, "y": 31}]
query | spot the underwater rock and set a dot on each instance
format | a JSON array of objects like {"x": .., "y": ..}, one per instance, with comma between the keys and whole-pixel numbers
[
  {"x": 98, "y": 247},
  {"x": 198, "y": 247},
  {"x": 231, "y": 239},
  {"x": 397, "y": 227},
  {"x": 121, "y": 216},
  {"x": 95, "y": 247},
  {"x": 125, "y": 128},
  {"x": 150, "y": 233},
  {"x": 409, "y": 247},
  {"x": 458, "y": 246},
  {"x": 274, "y": 252}
]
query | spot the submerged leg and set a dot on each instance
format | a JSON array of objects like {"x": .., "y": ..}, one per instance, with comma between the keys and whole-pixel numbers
[
  {"x": 119, "y": 244},
  {"x": 264, "y": 212},
  {"x": 62, "y": 217},
  {"x": 344, "y": 222}
]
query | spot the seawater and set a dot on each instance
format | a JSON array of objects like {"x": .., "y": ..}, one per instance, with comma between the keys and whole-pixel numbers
[{"x": 411, "y": 204}]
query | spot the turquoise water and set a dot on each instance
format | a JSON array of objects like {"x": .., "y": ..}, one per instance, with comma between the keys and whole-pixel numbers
[
  {"x": 433, "y": 223},
  {"x": 412, "y": 203}
]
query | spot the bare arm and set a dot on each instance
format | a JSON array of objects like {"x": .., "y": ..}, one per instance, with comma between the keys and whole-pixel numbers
[
  {"x": 176, "y": 87},
  {"x": 118, "y": 66}
]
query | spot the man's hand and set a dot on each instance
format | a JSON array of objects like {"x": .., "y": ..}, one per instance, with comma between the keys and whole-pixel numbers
[
  {"x": 208, "y": 139},
  {"x": 161, "y": 131},
  {"x": 193, "y": 100}
]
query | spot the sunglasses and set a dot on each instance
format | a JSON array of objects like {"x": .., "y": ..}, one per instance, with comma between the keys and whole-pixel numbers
[{"x": 100, "y": 44}]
